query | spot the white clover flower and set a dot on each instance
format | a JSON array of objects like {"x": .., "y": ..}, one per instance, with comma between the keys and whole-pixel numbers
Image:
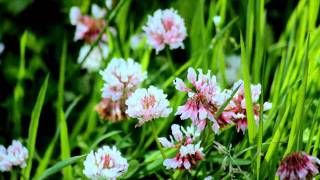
[
  {"x": 121, "y": 76},
  {"x": 17, "y": 154},
  {"x": 75, "y": 15},
  {"x": 95, "y": 58},
  {"x": 5, "y": 164},
  {"x": 165, "y": 27},
  {"x": 105, "y": 163},
  {"x": 148, "y": 104}
]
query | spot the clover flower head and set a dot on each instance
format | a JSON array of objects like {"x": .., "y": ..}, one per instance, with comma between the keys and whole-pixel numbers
[
  {"x": 188, "y": 153},
  {"x": 148, "y": 104},
  {"x": 236, "y": 111},
  {"x": 5, "y": 164},
  {"x": 120, "y": 77},
  {"x": 95, "y": 58},
  {"x": 298, "y": 166},
  {"x": 165, "y": 27},
  {"x": 17, "y": 154},
  {"x": 204, "y": 98},
  {"x": 105, "y": 163}
]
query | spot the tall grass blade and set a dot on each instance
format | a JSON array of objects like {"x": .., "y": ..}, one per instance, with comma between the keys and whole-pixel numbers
[
  {"x": 64, "y": 145},
  {"x": 33, "y": 127},
  {"x": 247, "y": 94}
]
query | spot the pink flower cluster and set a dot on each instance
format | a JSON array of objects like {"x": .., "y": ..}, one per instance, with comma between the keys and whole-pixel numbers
[
  {"x": 236, "y": 111},
  {"x": 88, "y": 27},
  {"x": 298, "y": 166},
  {"x": 204, "y": 99},
  {"x": 122, "y": 97},
  {"x": 121, "y": 79},
  {"x": 165, "y": 27},
  {"x": 188, "y": 153},
  {"x": 15, "y": 155}
]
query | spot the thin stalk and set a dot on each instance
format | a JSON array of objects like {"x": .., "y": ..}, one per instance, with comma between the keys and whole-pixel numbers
[
  {"x": 170, "y": 61},
  {"x": 157, "y": 141},
  {"x": 141, "y": 142}
]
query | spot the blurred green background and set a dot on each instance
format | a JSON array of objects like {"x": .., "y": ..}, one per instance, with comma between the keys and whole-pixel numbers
[{"x": 47, "y": 23}]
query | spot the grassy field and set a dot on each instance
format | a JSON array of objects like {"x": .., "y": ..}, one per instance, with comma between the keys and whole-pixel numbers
[{"x": 58, "y": 92}]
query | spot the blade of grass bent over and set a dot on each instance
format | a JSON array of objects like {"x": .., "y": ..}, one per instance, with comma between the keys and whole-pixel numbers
[{"x": 60, "y": 165}]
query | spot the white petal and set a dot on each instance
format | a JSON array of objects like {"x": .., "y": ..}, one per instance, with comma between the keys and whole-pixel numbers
[
  {"x": 97, "y": 12},
  {"x": 176, "y": 132},
  {"x": 192, "y": 76}
]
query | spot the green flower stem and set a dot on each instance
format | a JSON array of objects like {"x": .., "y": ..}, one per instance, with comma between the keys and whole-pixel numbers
[
  {"x": 142, "y": 137},
  {"x": 157, "y": 141},
  {"x": 170, "y": 61}
]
